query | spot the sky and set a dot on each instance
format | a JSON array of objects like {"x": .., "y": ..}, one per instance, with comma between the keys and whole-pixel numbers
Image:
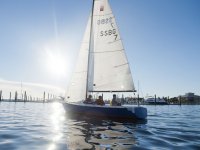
[{"x": 161, "y": 40}]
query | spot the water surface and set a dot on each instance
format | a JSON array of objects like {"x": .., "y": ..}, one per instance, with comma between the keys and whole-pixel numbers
[{"x": 47, "y": 127}]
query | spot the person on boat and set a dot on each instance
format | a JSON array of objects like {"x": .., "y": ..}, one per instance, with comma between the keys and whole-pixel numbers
[
  {"x": 88, "y": 100},
  {"x": 114, "y": 101},
  {"x": 100, "y": 101}
]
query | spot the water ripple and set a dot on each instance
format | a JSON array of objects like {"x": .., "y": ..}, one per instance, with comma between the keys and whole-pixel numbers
[{"x": 47, "y": 127}]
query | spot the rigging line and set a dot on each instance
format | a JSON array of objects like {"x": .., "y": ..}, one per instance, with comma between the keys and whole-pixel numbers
[
  {"x": 104, "y": 84},
  {"x": 108, "y": 51},
  {"x": 121, "y": 65}
]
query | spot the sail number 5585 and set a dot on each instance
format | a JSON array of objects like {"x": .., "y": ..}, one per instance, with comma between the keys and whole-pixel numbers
[{"x": 108, "y": 32}]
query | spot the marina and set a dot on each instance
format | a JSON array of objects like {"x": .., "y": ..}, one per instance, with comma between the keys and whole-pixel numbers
[
  {"x": 25, "y": 98},
  {"x": 69, "y": 71}
]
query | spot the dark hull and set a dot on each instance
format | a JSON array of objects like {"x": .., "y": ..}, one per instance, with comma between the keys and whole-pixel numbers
[{"x": 111, "y": 112}]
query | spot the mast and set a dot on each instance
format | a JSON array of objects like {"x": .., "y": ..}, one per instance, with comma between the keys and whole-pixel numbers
[{"x": 90, "y": 42}]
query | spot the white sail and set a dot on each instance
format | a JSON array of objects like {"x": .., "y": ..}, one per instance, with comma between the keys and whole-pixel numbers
[
  {"x": 77, "y": 89},
  {"x": 108, "y": 68},
  {"x": 111, "y": 68}
]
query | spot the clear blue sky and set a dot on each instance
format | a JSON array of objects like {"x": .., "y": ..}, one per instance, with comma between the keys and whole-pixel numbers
[{"x": 161, "y": 38}]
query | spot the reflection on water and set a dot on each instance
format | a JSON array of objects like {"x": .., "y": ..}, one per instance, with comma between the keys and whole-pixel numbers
[
  {"x": 101, "y": 134},
  {"x": 47, "y": 127},
  {"x": 57, "y": 120}
]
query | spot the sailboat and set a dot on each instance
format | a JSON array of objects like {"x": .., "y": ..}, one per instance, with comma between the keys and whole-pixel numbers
[{"x": 102, "y": 67}]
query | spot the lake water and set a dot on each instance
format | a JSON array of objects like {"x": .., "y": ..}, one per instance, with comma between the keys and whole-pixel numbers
[{"x": 38, "y": 126}]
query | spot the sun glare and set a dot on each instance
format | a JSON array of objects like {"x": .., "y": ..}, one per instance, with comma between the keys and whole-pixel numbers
[{"x": 56, "y": 63}]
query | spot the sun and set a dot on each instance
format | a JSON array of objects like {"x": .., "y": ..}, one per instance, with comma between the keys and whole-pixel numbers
[{"x": 56, "y": 63}]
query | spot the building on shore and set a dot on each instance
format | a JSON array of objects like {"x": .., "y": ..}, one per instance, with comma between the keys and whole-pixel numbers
[{"x": 190, "y": 98}]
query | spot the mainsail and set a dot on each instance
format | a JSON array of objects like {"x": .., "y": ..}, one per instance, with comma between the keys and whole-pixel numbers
[{"x": 108, "y": 68}]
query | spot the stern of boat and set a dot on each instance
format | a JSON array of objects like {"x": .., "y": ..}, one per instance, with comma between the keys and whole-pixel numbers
[{"x": 139, "y": 112}]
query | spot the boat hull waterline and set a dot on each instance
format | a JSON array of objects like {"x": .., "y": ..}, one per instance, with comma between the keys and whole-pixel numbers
[{"x": 121, "y": 112}]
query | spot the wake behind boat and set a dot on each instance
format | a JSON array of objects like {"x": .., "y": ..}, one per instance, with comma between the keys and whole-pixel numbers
[{"x": 102, "y": 67}]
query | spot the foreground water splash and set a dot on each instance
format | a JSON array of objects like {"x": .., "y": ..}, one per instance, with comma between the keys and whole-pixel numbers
[{"x": 46, "y": 126}]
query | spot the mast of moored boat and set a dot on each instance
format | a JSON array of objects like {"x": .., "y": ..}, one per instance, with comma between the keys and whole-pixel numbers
[{"x": 90, "y": 43}]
